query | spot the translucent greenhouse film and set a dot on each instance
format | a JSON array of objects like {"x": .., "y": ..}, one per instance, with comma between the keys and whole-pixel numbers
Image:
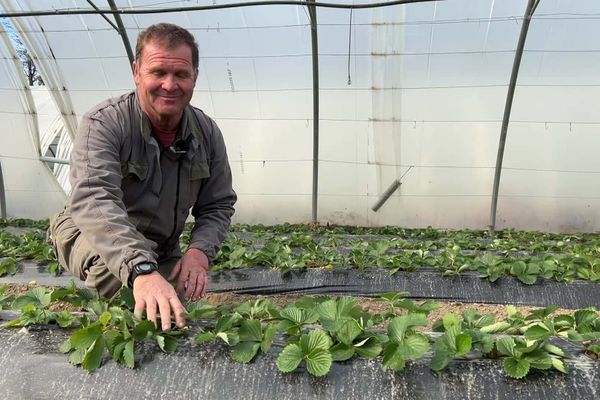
[{"x": 412, "y": 93}]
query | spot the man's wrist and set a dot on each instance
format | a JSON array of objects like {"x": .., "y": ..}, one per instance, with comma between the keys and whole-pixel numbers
[{"x": 144, "y": 268}]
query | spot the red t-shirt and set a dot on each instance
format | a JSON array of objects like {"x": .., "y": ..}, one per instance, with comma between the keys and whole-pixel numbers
[{"x": 165, "y": 138}]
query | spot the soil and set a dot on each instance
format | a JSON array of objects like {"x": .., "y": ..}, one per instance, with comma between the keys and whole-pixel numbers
[{"x": 368, "y": 304}]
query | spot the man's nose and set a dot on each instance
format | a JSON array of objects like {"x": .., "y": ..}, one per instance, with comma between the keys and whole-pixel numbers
[{"x": 169, "y": 82}]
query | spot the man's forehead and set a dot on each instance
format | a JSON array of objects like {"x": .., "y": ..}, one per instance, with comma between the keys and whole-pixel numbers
[{"x": 162, "y": 49}]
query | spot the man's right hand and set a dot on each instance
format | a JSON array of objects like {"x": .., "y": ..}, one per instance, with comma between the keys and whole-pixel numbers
[{"x": 153, "y": 293}]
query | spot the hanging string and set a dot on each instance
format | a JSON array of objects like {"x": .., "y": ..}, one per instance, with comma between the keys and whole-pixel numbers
[{"x": 349, "y": 46}]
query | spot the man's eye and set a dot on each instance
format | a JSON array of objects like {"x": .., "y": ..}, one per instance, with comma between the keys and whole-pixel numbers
[{"x": 158, "y": 73}]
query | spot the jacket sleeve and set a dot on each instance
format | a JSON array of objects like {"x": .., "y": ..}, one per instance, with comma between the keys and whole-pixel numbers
[
  {"x": 213, "y": 208},
  {"x": 96, "y": 203}
]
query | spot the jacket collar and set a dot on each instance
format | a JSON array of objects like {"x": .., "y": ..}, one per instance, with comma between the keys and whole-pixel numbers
[{"x": 188, "y": 125}]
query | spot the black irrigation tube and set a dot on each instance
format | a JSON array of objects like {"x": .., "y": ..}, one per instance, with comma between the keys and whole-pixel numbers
[
  {"x": 32, "y": 367},
  {"x": 426, "y": 283}
]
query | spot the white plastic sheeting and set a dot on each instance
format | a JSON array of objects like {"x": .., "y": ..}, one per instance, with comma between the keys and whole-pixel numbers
[
  {"x": 411, "y": 91},
  {"x": 30, "y": 187}
]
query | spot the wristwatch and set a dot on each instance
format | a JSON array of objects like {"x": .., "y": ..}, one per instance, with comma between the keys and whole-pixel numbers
[{"x": 144, "y": 268}]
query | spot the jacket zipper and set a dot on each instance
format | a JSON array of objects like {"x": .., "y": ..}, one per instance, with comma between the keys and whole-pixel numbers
[{"x": 176, "y": 211}]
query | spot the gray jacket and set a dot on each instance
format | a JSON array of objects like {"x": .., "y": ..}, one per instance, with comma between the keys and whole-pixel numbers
[{"x": 130, "y": 199}]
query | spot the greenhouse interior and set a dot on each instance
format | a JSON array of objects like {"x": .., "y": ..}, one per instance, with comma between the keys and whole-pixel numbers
[{"x": 394, "y": 164}]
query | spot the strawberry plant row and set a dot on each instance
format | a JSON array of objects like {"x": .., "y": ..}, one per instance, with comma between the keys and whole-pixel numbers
[{"x": 317, "y": 333}]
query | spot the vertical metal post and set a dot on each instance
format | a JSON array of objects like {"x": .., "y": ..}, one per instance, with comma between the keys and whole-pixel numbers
[
  {"x": 2, "y": 195},
  {"x": 122, "y": 32},
  {"x": 531, "y": 6},
  {"x": 312, "y": 10}
]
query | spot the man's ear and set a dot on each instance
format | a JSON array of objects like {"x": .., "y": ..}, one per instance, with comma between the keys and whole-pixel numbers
[{"x": 136, "y": 71}]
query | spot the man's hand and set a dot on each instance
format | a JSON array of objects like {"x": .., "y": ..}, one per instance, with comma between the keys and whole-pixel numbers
[
  {"x": 191, "y": 273},
  {"x": 152, "y": 292}
]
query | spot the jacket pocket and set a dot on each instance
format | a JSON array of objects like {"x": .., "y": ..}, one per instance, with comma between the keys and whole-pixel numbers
[
  {"x": 134, "y": 169},
  {"x": 199, "y": 170}
]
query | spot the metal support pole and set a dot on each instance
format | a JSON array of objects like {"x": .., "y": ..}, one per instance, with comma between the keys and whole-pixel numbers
[
  {"x": 55, "y": 160},
  {"x": 312, "y": 10},
  {"x": 531, "y": 6},
  {"x": 122, "y": 32},
  {"x": 2, "y": 195}
]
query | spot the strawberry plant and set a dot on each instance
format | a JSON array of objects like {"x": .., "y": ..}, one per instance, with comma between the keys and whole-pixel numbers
[
  {"x": 313, "y": 349},
  {"x": 404, "y": 342},
  {"x": 8, "y": 266},
  {"x": 454, "y": 343},
  {"x": 524, "y": 355}
]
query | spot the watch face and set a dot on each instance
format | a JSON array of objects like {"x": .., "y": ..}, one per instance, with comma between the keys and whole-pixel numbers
[{"x": 145, "y": 267}]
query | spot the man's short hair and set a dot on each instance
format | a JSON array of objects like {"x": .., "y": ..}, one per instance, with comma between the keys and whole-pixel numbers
[{"x": 169, "y": 35}]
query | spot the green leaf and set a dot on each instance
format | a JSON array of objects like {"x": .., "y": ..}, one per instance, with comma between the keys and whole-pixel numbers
[
  {"x": 391, "y": 296},
  {"x": 537, "y": 331},
  {"x": 550, "y": 348},
  {"x": 128, "y": 355},
  {"x": 341, "y": 352},
  {"x": 398, "y": 326},
  {"x": 93, "y": 357},
  {"x": 38, "y": 297},
  {"x": 105, "y": 318},
  {"x": 392, "y": 359},
  {"x": 143, "y": 330},
  {"x": 527, "y": 279},
  {"x": 369, "y": 348},
  {"x": 463, "y": 344},
  {"x": 200, "y": 310},
  {"x": 327, "y": 310},
  {"x": 65, "y": 347},
  {"x": 315, "y": 340},
  {"x": 414, "y": 346},
  {"x": 167, "y": 343},
  {"x": 516, "y": 368},
  {"x": 506, "y": 346},
  {"x": 244, "y": 352},
  {"x": 268, "y": 337},
  {"x": 76, "y": 357},
  {"x": 226, "y": 322},
  {"x": 64, "y": 319},
  {"x": 559, "y": 365},
  {"x": 318, "y": 362},
  {"x": 204, "y": 337},
  {"x": 583, "y": 317},
  {"x": 289, "y": 358},
  {"x": 450, "y": 321},
  {"x": 349, "y": 331},
  {"x": 539, "y": 359},
  {"x": 497, "y": 327},
  {"x": 83, "y": 338},
  {"x": 441, "y": 358},
  {"x": 250, "y": 330}
]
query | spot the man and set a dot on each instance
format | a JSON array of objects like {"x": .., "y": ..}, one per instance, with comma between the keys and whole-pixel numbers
[{"x": 139, "y": 163}]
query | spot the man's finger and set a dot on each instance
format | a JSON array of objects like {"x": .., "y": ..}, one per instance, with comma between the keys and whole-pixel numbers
[
  {"x": 140, "y": 306},
  {"x": 204, "y": 285},
  {"x": 165, "y": 313},
  {"x": 182, "y": 280},
  {"x": 199, "y": 288},
  {"x": 175, "y": 271},
  {"x": 178, "y": 310},
  {"x": 151, "y": 311},
  {"x": 191, "y": 286}
]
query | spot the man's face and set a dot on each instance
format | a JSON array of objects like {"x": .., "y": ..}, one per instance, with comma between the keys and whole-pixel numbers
[{"x": 165, "y": 80}]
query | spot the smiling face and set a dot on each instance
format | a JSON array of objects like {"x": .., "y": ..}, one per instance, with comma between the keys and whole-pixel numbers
[{"x": 165, "y": 80}]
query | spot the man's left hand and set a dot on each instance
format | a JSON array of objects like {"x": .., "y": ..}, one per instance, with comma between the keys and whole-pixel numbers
[{"x": 191, "y": 272}]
